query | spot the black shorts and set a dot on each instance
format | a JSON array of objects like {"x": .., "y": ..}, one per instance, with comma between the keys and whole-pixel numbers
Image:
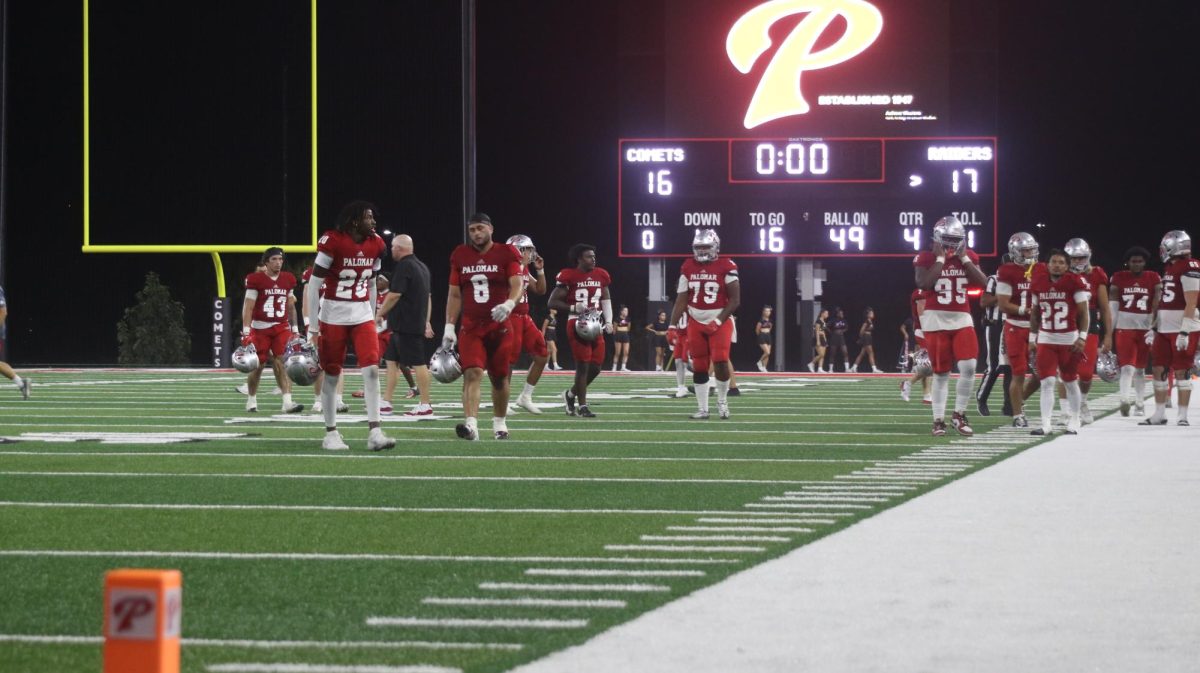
[
  {"x": 660, "y": 341},
  {"x": 837, "y": 340},
  {"x": 406, "y": 349},
  {"x": 764, "y": 338},
  {"x": 621, "y": 337}
]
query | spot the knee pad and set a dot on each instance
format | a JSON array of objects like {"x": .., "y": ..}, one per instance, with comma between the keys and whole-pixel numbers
[
  {"x": 700, "y": 377},
  {"x": 1183, "y": 385},
  {"x": 1160, "y": 386}
]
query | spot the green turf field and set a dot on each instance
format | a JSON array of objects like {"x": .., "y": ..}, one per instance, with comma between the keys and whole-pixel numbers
[{"x": 439, "y": 553}]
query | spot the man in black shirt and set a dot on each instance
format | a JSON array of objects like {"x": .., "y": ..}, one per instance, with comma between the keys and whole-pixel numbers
[{"x": 407, "y": 310}]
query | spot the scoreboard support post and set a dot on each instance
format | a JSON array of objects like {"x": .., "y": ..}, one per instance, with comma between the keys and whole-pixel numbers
[
  {"x": 657, "y": 299},
  {"x": 810, "y": 278},
  {"x": 779, "y": 347}
]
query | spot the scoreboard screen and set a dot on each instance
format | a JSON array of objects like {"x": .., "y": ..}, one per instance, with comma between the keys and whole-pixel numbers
[
  {"x": 814, "y": 128},
  {"x": 807, "y": 197}
]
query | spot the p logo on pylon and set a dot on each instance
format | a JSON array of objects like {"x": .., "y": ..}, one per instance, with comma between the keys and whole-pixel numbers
[{"x": 143, "y": 615}]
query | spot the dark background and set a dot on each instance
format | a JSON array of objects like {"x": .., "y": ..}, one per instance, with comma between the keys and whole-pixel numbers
[{"x": 1093, "y": 114}]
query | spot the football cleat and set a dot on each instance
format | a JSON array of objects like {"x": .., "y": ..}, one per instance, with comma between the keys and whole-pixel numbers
[
  {"x": 722, "y": 411},
  {"x": 939, "y": 428},
  {"x": 24, "y": 388},
  {"x": 358, "y": 394},
  {"x": 385, "y": 408},
  {"x": 377, "y": 441},
  {"x": 1040, "y": 432},
  {"x": 243, "y": 389},
  {"x": 466, "y": 432},
  {"x": 294, "y": 409},
  {"x": 420, "y": 410},
  {"x": 1073, "y": 424},
  {"x": 342, "y": 407},
  {"x": 1020, "y": 421},
  {"x": 983, "y": 407},
  {"x": 527, "y": 404},
  {"x": 680, "y": 393},
  {"x": 1125, "y": 406},
  {"x": 500, "y": 434},
  {"x": 905, "y": 389},
  {"x": 1139, "y": 409},
  {"x": 960, "y": 423},
  {"x": 251, "y": 406},
  {"x": 1182, "y": 421},
  {"x": 734, "y": 392},
  {"x": 570, "y": 401},
  {"x": 1085, "y": 415},
  {"x": 701, "y": 415},
  {"x": 333, "y": 442},
  {"x": 316, "y": 408},
  {"x": 762, "y": 368},
  {"x": 1154, "y": 421},
  {"x": 585, "y": 412}
]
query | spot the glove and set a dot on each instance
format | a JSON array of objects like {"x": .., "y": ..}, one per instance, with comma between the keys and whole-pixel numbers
[
  {"x": 500, "y": 312},
  {"x": 246, "y": 339},
  {"x": 672, "y": 335},
  {"x": 580, "y": 308},
  {"x": 716, "y": 322},
  {"x": 1149, "y": 337},
  {"x": 1181, "y": 341},
  {"x": 608, "y": 328},
  {"x": 449, "y": 338}
]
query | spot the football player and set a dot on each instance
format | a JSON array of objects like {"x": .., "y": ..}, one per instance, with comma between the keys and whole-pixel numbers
[
  {"x": 944, "y": 272},
  {"x": 348, "y": 258},
  {"x": 269, "y": 323},
  {"x": 1178, "y": 325},
  {"x": 709, "y": 291},
  {"x": 1134, "y": 294},
  {"x": 1059, "y": 326},
  {"x": 1079, "y": 255},
  {"x": 916, "y": 304},
  {"x": 485, "y": 286},
  {"x": 527, "y": 337},
  {"x": 306, "y": 313},
  {"x": 1013, "y": 280},
  {"x": 22, "y": 383},
  {"x": 577, "y": 290}
]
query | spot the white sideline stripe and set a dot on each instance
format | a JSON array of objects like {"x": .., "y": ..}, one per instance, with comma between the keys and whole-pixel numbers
[
  {"x": 290, "y": 556},
  {"x": 762, "y": 521},
  {"x": 846, "y": 488},
  {"x": 326, "y": 668},
  {"x": 572, "y": 572},
  {"x": 821, "y": 497},
  {"x": 714, "y": 538},
  {"x": 277, "y": 644},
  {"x": 354, "y": 508},
  {"x": 784, "y": 505},
  {"x": 499, "y": 623},
  {"x": 682, "y": 547},
  {"x": 744, "y": 529},
  {"x": 528, "y": 602},
  {"x": 924, "y": 464},
  {"x": 366, "y": 477},
  {"x": 907, "y": 480},
  {"x": 293, "y": 456},
  {"x": 619, "y": 588}
]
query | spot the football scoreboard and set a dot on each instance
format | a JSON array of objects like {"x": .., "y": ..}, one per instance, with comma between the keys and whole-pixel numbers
[{"x": 804, "y": 196}]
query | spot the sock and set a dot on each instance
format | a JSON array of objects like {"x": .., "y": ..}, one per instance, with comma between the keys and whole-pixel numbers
[
  {"x": 1139, "y": 386},
  {"x": 1074, "y": 398},
  {"x": 702, "y": 395},
  {"x": 1160, "y": 408},
  {"x": 251, "y": 401},
  {"x": 1064, "y": 405},
  {"x": 371, "y": 392},
  {"x": 499, "y": 424},
  {"x": 1126, "y": 383},
  {"x": 966, "y": 380},
  {"x": 287, "y": 399},
  {"x": 941, "y": 391},
  {"x": 680, "y": 373},
  {"x": 722, "y": 391},
  {"x": 527, "y": 391},
  {"x": 329, "y": 401},
  {"x": 1046, "y": 399},
  {"x": 472, "y": 423},
  {"x": 17, "y": 381}
]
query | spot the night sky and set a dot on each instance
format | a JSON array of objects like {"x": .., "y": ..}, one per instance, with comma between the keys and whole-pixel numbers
[{"x": 1094, "y": 123}]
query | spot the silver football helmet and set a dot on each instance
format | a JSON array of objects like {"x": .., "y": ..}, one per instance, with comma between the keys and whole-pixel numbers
[
  {"x": 921, "y": 363},
  {"x": 444, "y": 365},
  {"x": 705, "y": 245},
  {"x": 245, "y": 359},
  {"x": 520, "y": 242},
  {"x": 1077, "y": 247},
  {"x": 1107, "y": 368},
  {"x": 300, "y": 362},
  {"x": 1023, "y": 248},
  {"x": 589, "y": 325},
  {"x": 1174, "y": 243},
  {"x": 950, "y": 233}
]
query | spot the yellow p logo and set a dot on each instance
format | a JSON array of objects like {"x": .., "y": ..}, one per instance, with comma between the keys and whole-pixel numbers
[{"x": 778, "y": 94}]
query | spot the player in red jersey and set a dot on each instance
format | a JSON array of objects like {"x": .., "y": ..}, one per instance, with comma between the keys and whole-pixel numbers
[
  {"x": 577, "y": 290},
  {"x": 945, "y": 273},
  {"x": 1013, "y": 280},
  {"x": 269, "y": 322},
  {"x": 343, "y": 286},
  {"x": 485, "y": 286},
  {"x": 1058, "y": 325},
  {"x": 308, "y": 314},
  {"x": 1079, "y": 256},
  {"x": 526, "y": 335},
  {"x": 1133, "y": 294},
  {"x": 1178, "y": 326},
  {"x": 709, "y": 291}
]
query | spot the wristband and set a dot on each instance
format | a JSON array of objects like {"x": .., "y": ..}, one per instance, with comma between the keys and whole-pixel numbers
[
  {"x": 448, "y": 331},
  {"x": 1020, "y": 310},
  {"x": 941, "y": 259},
  {"x": 1081, "y": 336},
  {"x": 245, "y": 331},
  {"x": 965, "y": 259}
]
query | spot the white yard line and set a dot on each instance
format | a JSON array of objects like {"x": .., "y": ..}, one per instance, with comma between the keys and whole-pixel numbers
[
  {"x": 375, "y": 477},
  {"x": 279, "y": 644},
  {"x": 604, "y": 603},
  {"x": 573, "y": 572},
  {"x": 497, "y": 623},
  {"x": 713, "y": 549},
  {"x": 141, "y": 455},
  {"x": 317, "y": 556},
  {"x": 567, "y": 588},
  {"x": 743, "y": 529},
  {"x": 705, "y": 519},
  {"x": 326, "y": 668},
  {"x": 713, "y": 538}
]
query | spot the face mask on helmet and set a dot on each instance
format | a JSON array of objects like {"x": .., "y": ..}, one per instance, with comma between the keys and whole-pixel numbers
[
  {"x": 1079, "y": 254},
  {"x": 1174, "y": 244},
  {"x": 706, "y": 245},
  {"x": 1023, "y": 249},
  {"x": 950, "y": 234}
]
